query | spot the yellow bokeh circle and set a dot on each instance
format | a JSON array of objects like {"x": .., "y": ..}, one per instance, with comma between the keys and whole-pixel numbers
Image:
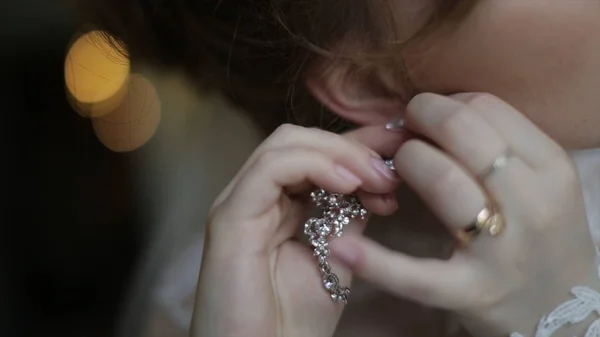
[{"x": 96, "y": 74}]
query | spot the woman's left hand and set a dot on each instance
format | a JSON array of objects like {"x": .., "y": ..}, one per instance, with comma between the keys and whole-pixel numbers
[{"x": 488, "y": 153}]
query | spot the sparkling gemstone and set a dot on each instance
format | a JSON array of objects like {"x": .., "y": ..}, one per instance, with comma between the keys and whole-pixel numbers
[
  {"x": 390, "y": 164},
  {"x": 324, "y": 266},
  {"x": 333, "y": 199},
  {"x": 318, "y": 241},
  {"x": 309, "y": 227},
  {"x": 321, "y": 251},
  {"x": 322, "y": 227},
  {"x": 339, "y": 298},
  {"x": 331, "y": 282},
  {"x": 337, "y": 230}
]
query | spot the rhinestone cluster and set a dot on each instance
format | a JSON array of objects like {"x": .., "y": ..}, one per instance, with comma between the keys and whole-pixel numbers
[{"x": 337, "y": 210}]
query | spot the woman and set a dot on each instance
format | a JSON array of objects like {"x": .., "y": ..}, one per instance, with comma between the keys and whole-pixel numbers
[{"x": 499, "y": 156}]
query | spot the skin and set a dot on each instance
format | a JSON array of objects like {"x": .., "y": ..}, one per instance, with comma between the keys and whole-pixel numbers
[{"x": 540, "y": 56}]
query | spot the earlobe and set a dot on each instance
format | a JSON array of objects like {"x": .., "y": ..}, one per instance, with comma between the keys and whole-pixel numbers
[{"x": 361, "y": 98}]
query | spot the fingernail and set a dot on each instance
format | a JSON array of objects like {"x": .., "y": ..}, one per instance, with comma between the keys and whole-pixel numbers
[
  {"x": 379, "y": 165},
  {"x": 464, "y": 97},
  {"x": 396, "y": 124},
  {"x": 347, "y": 175},
  {"x": 345, "y": 252}
]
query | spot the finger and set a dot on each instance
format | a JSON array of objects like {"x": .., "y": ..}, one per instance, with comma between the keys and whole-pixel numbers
[
  {"x": 471, "y": 140},
  {"x": 431, "y": 282},
  {"x": 362, "y": 159},
  {"x": 380, "y": 204},
  {"x": 457, "y": 129},
  {"x": 448, "y": 190},
  {"x": 457, "y": 199},
  {"x": 379, "y": 139},
  {"x": 524, "y": 138},
  {"x": 262, "y": 185}
]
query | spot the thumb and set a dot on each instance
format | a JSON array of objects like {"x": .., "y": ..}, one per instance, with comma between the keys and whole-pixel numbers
[{"x": 431, "y": 282}]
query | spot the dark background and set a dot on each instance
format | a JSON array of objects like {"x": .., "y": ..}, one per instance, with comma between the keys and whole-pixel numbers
[{"x": 71, "y": 230}]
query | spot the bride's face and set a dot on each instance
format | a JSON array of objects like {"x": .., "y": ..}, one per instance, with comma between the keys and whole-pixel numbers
[{"x": 542, "y": 56}]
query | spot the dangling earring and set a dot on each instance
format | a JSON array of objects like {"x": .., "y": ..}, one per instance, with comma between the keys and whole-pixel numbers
[{"x": 337, "y": 211}]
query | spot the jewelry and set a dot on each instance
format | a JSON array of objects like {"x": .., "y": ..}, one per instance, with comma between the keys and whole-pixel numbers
[
  {"x": 500, "y": 162},
  {"x": 337, "y": 210},
  {"x": 487, "y": 219},
  {"x": 390, "y": 163}
]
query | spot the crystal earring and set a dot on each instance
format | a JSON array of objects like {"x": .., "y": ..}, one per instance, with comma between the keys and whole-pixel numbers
[{"x": 337, "y": 211}]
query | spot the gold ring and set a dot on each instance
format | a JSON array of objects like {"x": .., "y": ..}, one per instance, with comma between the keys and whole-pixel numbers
[{"x": 488, "y": 219}]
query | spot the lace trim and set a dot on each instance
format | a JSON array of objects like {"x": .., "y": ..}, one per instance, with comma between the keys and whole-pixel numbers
[{"x": 576, "y": 310}]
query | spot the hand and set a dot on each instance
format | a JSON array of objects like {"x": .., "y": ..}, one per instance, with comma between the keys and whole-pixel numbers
[
  {"x": 498, "y": 284},
  {"x": 256, "y": 280}
]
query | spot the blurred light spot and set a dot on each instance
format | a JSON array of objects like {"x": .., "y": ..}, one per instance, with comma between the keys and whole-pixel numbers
[
  {"x": 96, "y": 75},
  {"x": 134, "y": 122}
]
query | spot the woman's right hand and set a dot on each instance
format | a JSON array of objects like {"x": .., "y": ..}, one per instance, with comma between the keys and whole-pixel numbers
[{"x": 256, "y": 280}]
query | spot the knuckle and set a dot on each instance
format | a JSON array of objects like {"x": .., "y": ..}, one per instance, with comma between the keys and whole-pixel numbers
[
  {"x": 267, "y": 158},
  {"x": 540, "y": 214},
  {"x": 285, "y": 130},
  {"x": 459, "y": 121},
  {"x": 449, "y": 183},
  {"x": 552, "y": 204},
  {"x": 409, "y": 150}
]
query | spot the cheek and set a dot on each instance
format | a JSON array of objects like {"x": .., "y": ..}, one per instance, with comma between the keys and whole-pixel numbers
[{"x": 542, "y": 56}]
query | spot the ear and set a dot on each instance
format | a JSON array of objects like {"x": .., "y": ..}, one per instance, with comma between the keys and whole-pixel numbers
[{"x": 364, "y": 97}]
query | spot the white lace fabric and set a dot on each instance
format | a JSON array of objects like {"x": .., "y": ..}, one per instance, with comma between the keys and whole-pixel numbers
[{"x": 576, "y": 310}]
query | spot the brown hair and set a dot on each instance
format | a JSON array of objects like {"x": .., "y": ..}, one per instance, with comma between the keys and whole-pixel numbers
[{"x": 257, "y": 51}]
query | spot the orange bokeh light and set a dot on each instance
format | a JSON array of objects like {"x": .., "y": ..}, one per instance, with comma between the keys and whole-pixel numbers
[
  {"x": 134, "y": 122},
  {"x": 96, "y": 75}
]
